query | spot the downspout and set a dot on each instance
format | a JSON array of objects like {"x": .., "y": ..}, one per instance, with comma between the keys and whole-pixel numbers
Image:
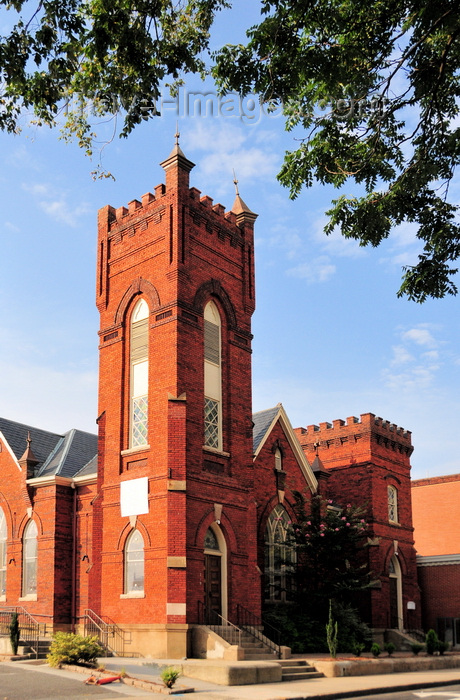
[{"x": 73, "y": 585}]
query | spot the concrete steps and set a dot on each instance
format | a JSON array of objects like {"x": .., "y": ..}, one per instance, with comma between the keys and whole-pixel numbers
[
  {"x": 255, "y": 650},
  {"x": 298, "y": 670},
  {"x": 43, "y": 648}
]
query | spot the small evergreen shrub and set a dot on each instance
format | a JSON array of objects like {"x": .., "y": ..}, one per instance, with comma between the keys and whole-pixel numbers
[
  {"x": 14, "y": 633},
  {"x": 442, "y": 647},
  {"x": 390, "y": 648},
  {"x": 169, "y": 676},
  {"x": 416, "y": 648},
  {"x": 375, "y": 649},
  {"x": 69, "y": 648},
  {"x": 431, "y": 642},
  {"x": 358, "y": 648}
]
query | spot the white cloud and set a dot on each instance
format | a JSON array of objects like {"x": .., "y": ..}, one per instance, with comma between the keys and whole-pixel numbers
[
  {"x": 335, "y": 243},
  {"x": 229, "y": 146},
  {"x": 417, "y": 366},
  {"x": 11, "y": 227},
  {"x": 56, "y": 204},
  {"x": 315, "y": 270},
  {"x": 420, "y": 336},
  {"x": 401, "y": 355}
]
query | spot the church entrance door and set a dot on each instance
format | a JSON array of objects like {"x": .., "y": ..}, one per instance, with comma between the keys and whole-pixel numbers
[
  {"x": 394, "y": 621},
  {"x": 213, "y": 583},
  {"x": 396, "y": 609}
]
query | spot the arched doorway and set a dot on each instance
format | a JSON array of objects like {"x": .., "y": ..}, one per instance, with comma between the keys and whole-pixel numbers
[
  {"x": 215, "y": 572},
  {"x": 396, "y": 608}
]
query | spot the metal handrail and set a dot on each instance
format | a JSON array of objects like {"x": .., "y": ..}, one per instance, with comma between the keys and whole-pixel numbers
[
  {"x": 259, "y": 629},
  {"x": 111, "y": 637},
  {"x": 28, "y": 625},
  {"x": 219, "y": 624}
]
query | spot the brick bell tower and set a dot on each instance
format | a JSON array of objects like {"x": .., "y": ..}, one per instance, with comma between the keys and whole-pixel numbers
[{"x": 174, "y": 530}]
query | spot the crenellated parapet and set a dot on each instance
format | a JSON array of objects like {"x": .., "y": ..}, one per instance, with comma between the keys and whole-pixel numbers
[
  {"x": 354, "y": 436},
  {"x": 140, "y": 215}
]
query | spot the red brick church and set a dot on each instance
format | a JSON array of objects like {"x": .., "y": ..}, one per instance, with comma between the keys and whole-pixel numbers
[{"x": 173, "y": 510}]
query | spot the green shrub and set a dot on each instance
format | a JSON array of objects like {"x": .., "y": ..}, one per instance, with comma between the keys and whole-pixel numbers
[
  {"x": 169, "y": 676},
  {"x": 358, "y": 648},
  {"x": 390, "y": 648},
  {"x": 442, "y": 647},
  {"x": 375, "y": 649},
  {"x": 431, "y": 642},
  {"x": 69, "y": 648},
  {"x": 14, "y": 633},
  {"x": 304, "y": 630},
  {"x": 416, "y": 648}
]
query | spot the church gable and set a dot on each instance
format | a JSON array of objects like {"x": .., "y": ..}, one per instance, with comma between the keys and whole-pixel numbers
[{"x": 276, "y": 447}]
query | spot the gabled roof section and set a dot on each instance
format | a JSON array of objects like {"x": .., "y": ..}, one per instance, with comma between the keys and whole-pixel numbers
[
  {"x": 75, "y": 449},
  {"x": 15, "y": 434},
  {"x": 264, "y": 421},
  {"x": 89, "y": 468},
  {"x": 56, "y": 455}
]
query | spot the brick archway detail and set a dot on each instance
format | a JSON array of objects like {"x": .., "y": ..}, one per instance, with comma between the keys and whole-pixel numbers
[
  {"x": 214, "y": 288},
  {"x": 138, "y": 286}
]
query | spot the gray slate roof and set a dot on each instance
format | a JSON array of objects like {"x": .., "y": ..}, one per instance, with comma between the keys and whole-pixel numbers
[
  {"x": 262, "y": 420},
  {"x": 63, "y": 455}
]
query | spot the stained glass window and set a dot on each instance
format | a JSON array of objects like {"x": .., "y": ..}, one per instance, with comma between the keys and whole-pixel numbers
[
  {"x": 212, "y": 377},
  {"x": 280, "y": 557},
  {"x": 392, "y": 504}
]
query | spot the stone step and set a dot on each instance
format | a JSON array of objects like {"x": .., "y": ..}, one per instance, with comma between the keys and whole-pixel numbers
[
  {"x": 294, "y": 662},
  {"x": 259, "y": 657},
  {"x": 257, "y": 651},
  {"x": 297, "y": 670},
  {"x": 301, "y": 676},
  {"x": 253, "y": 645}
]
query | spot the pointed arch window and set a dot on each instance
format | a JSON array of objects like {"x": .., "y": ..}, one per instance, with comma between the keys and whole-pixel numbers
[
  {"x": 29, "y": 560},
  {"x": 3, "y": 539},
  {"x": 134, "y": 564},
  {"x": 392, "y": 504},
  {"x": 139, "y": 371},
  {"x": 280, "y": 557},
  {"x": 278, "y": 460},
  {"x": 212, "y": 377}
]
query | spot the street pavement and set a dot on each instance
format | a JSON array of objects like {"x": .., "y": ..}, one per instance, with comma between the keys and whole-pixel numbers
[{"x": 320, "y": 688}]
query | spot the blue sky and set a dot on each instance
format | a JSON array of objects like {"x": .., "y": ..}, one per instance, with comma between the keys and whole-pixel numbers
[{"x": 331, "y": 339}]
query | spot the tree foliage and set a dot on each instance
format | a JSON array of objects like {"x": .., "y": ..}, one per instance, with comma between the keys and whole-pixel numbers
[
  {"x": 370, "y": 89},
  {"x": 374, "y": 88},
  {"x": 330, "y": 544},
  {"x": 80, "y": 58}
]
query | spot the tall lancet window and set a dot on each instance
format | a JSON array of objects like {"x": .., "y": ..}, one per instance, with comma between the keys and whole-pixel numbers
[
  {"x": 29, "y": 559},
  {"x": 139, "y": 387},
  {"x": 212, "y": 377}
]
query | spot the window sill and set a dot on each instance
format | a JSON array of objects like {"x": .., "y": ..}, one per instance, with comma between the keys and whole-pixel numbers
[
  {"x": 393, "y": 522},
  {"x": 135, "y": 450},
  {"x": 215, "y": 451},
  {"x": 31, "y": 596},
  {"x": 133, "y": 594}
]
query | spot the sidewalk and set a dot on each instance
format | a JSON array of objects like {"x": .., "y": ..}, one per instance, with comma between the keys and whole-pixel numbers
[{"x": 324, "y": 688}]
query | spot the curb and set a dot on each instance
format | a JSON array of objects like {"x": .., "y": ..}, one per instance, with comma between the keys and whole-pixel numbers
[{"x": 376, "y": 691}]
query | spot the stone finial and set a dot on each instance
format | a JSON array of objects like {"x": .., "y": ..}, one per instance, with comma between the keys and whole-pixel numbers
[{"x": 28, "y": 459}]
